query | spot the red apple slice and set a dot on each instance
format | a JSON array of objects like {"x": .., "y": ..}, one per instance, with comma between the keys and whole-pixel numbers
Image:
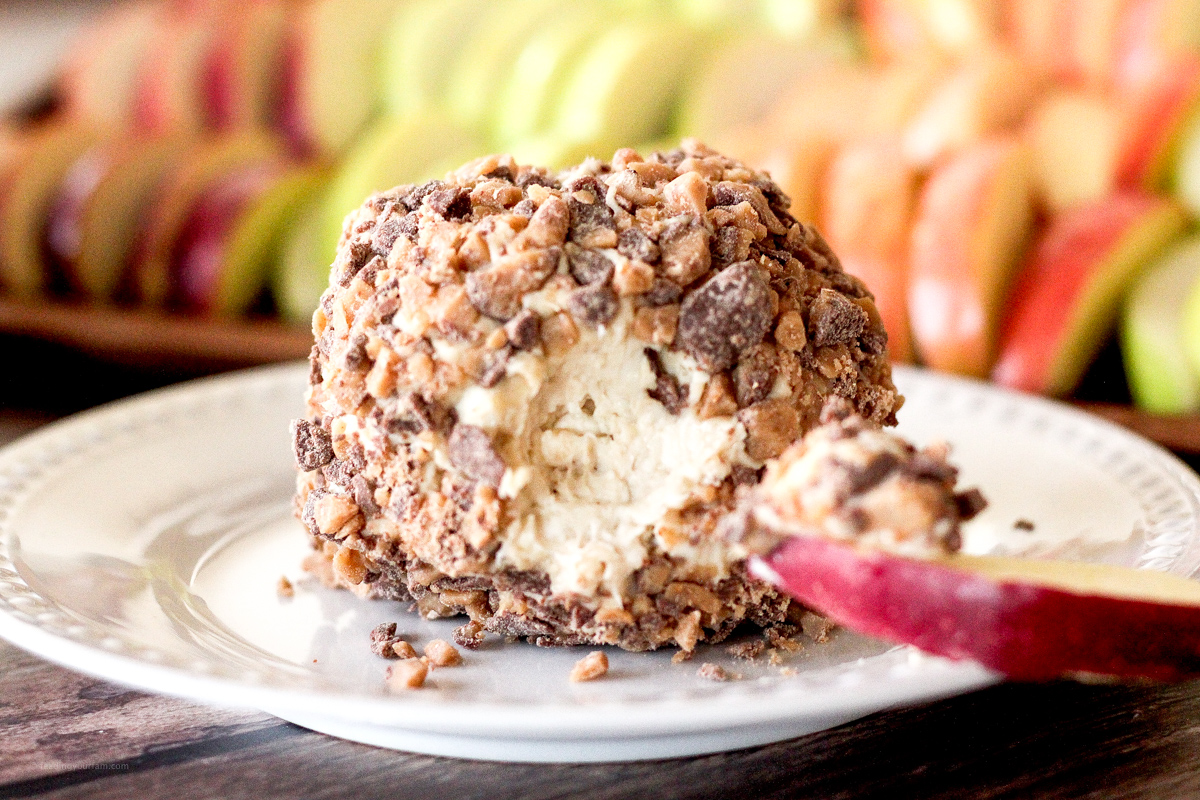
[
  {"x": 1064, "y": 303},
  {"x": 151, "y": 265},
  {"x": 972, "y": 222},
  {"x": 332, "y": 53},
  {"x": 988, "y": 92},
  {"x": 1031, "y": 620},
  {"x": 30, "y": 178},
  {"x": 170, "y": 77},
  {"x": 241, "y": 71},
  {"x": 1154, "y": 113},
  {"x": 98, "y": 79},
  {"x": 226, "y": 247},
  {"x": 92, "y": 225},
  {"x": 1153, "y": 32},
  {"x": 866, "y": 207}
]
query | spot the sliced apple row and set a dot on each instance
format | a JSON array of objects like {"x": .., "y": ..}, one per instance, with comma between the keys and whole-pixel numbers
[
  {"x": 308, "y": 67},
  {"x": 165, "y": 221}
]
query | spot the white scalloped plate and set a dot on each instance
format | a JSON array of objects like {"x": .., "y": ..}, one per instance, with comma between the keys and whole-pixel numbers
[{"x": 142, "y": 543}]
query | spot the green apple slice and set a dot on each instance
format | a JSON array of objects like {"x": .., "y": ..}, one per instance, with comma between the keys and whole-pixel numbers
[
  {"x": 92, "y": 226},
  {"x": 395, "y": 151},
  {"x": 624, "y": 88},
  {"x": 1187, "y": 166},
  {"x": 742, "y": 79},
  {"x": 31, "y": 176},
  {"x": 1153, "y": 324},
  {"x": 528, "y": 98},
  {"x": 151, "y": 264},
  {"x": 421, "y": 50},
  {"x": 474, "y": 84},
  {"x": 301, "y": 273},
  {"x": 256, "y": 238}
]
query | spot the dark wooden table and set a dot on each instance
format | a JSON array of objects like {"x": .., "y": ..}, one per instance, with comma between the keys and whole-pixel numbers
[{"x": 66, "y": 735}]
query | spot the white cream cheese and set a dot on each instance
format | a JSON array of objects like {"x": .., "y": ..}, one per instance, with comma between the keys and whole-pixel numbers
[{"x": 595, "y": 463}]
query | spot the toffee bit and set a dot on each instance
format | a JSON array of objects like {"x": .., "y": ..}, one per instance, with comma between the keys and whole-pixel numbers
[
  {"x": 1023, "y": 525},
  {"x": 592, "y": 666}
]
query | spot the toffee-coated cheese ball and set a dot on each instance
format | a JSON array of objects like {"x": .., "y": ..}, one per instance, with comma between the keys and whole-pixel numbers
[{"x": 534, "y": 394}]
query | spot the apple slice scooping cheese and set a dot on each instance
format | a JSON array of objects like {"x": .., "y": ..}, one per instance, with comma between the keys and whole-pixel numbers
[{"x": 859, "y": 525}]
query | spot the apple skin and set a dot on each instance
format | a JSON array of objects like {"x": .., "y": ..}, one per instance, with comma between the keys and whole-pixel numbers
[
  {"x": 92, "y": 224},
  {"x": 241, "y": 71},
  {"x": 98, "y": 78},
  {"x": 222, "y": 257},
  {"x": 1026, "y": 628},
  {"x": 1159, "y": 328},
  {"x": 170, "y": 79},
  {"x": 330, "y": 73},
  {"x": 972, "y": 221},
  {"x": 31, "y": 175},
  {"x": 1065, "y": 301},
  {"x": 867, "y": 202},
  {"x": 1155, "y": 111},
  {"x": 150, "y": 271}
]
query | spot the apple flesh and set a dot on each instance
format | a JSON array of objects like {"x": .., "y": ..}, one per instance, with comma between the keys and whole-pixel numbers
[
  {"x": 240, "y": 72},
  {"x": 151, "y": 266},
  {"x": 1030, "y": 620},
  {"x": 623, "y": 88},
  {"x": 1066, "y": 299},
  {"x": 98, "y": 79},
  {"x": 972, "y": 221},
  {"x": 1075, "y": 139},
  {"x": 221, "y": 259},
  {"x": 866, "y": 206},
  {"x": 31, "y": 176},
  {"x": 420, "y": 49},
  {"x": 92, "y": 224},
  {"x": 989, "y": 92},
  {"x": 331, "y": 57},
  {"x": 1156, "y": 315},
  {"x": 743, "y": 78},
  {"x": 409, "y": 150},
  {"x": 301, "y": 272},
  {"x": 528, "y": 95}
]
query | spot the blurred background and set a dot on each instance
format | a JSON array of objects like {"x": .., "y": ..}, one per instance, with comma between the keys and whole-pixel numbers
[{"x": 1015, "y": 180}]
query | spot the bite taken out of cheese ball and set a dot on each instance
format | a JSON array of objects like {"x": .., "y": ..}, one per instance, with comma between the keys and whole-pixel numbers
[{"x": 534, "y": 395}]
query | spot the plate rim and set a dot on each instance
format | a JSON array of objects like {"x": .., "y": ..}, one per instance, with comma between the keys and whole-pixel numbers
[{"x": 931, "y": 678}]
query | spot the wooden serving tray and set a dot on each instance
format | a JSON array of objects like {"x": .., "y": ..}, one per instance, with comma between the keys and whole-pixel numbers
[{"x": 150, "y": 338}]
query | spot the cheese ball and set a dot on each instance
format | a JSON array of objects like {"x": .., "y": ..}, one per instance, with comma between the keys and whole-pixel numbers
[{"x": 535, "y": 394}]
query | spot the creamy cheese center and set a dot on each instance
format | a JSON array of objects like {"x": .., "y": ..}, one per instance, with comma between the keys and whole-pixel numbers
[{"x": 595, "y": 463}]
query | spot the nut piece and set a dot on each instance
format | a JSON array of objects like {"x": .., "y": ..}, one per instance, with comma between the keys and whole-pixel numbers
[
  {"x": 592, "y": 666},
  {"x": 383, "y": 636},
  {"x": 789, "y": 332},
  {"x": 442, "y": 654},
  {"x": 835, "y": 319},
  {"x": 407, "y": 674},
  {"x": 402, "y": 649},
  {"x": 727, "y": 315},
  {"x": 815, "y": 626},
  {"x": 349, "y": 565},
  {"x": 771, "y": 426},
  {"x": 312, "y": 444},
  {"x": 472, "y": 452}
]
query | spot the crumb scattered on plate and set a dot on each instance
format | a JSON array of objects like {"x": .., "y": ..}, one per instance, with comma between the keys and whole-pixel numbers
[
  {"x": 442, "y": 654},
  {"x": 284, "y": 587},
  {"x": 407, "y": 674},
  {"x": 592, "y": 666}
]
